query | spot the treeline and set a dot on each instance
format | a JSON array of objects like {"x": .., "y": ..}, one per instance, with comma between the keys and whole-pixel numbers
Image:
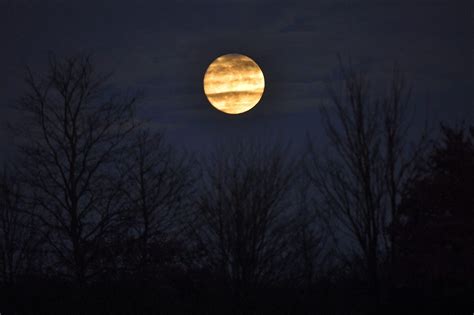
[{"x": 101, "y": 214}]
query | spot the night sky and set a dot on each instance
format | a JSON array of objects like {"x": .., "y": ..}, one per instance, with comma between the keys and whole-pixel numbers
[{"x": 164, "y": 47}]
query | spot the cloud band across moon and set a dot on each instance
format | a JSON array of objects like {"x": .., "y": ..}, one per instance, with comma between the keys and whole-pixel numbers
[{"x": 234, "y": 83}]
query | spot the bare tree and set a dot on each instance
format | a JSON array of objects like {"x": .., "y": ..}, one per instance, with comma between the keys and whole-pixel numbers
[
  {"x": 18, "y": 240},
  {"x": 367, "y": 164},
  {"x": 401, "y": 156},
  {"x": 158, "y": 184},
  {"x": 75, "y": 131},
  {"x": 243, "y": 220},
  {"x": 310, "y": 254}
]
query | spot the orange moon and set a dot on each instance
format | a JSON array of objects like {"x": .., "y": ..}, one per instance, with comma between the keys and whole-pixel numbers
[{"x": 234, "y": 83}]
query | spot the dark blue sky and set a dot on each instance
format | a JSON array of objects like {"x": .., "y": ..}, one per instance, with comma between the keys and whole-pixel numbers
[{"x": 164, "y": 48}]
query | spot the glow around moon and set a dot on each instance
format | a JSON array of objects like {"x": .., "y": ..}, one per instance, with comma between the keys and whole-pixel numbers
[{"x": 234, "y": 83}]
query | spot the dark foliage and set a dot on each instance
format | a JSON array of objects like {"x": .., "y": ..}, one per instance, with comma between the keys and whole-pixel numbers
[{"x": 435, "y": 234}]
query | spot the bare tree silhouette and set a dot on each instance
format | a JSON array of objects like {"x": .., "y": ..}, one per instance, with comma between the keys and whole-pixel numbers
[
  {"x": 158, "y": 183},
  {"x": 401, "y": 157},
  {"x": 368, "y": 163},
  {"x": 243, "y": 219},
  {"x": 74, "y": 132},
  {"x": 18, "y": 240},
  {"x": 309, "y": 239}
]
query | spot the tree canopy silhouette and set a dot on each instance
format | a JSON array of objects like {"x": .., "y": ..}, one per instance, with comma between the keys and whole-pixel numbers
[
  {"x": 74, "y": 132},
  {"x": 366, "y": 165},
  {"x": 435, "y": 233},
  {"x": 100, "y": 213}
]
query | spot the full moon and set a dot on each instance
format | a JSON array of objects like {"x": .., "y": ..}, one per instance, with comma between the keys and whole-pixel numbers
[{"x": 234, "y": 83}]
